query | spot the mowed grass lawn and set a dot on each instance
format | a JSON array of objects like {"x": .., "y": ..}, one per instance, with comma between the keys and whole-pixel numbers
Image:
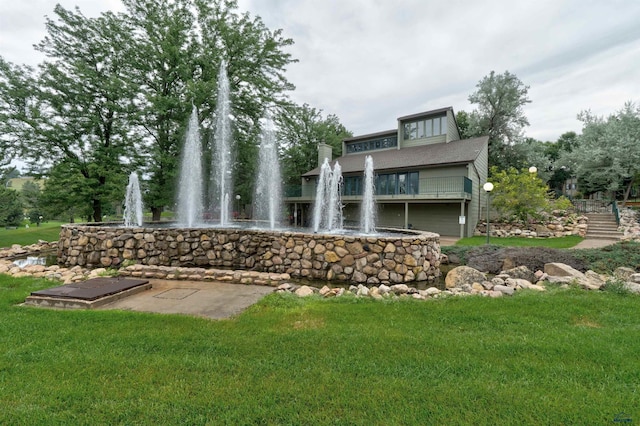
[
  {"x": 564, "y": 357},
  {"x": 558, "y": 243},
  {"x": 49, "y": 231}
]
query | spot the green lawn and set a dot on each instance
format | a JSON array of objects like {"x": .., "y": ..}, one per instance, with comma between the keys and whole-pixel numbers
[
  {"x": 561, "y": 242},
  {"x": 49, "y": 231},
  {"x": 566, "y": 357}
]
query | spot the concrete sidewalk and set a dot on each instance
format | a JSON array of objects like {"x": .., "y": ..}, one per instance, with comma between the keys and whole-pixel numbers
[
  {"x": 594, "y": 243},
  {"x": 208, "y": 299}
]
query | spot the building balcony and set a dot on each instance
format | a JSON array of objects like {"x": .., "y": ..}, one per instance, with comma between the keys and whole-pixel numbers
[{"x": 437, "y": 188}]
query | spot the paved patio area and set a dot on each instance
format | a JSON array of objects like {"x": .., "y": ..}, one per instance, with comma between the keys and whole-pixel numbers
[{"x": 214, "y": 300}]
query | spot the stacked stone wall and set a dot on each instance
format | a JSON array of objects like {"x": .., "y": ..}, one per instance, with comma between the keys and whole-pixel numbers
[{"x": 408, "y": 257}]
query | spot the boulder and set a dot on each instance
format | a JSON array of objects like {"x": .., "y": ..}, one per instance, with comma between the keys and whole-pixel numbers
[
  {"x": 504, "y": 289},
  {"x": 562, "y": 270},
  {"x": 463, "y": 275},
  {"x": 304, "y": 291},
  {"x": 623, "y": 273},
  {"x": 632, "y": 287},
  {"x": 520, "y": 272}
]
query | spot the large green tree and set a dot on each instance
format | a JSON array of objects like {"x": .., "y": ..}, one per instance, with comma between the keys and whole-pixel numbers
[
  {"x": 301, "y": 129},
  {"x": 607, "y": 156},
  {"x": 114, "y": 92},
  {"x": 499, "y": 114},
  {"x": 75, "y": 108}
]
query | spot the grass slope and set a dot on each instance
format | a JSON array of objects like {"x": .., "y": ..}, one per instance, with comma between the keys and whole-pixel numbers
[
  {"x": 49, "y": 231},
  {"x": 560, "y": 242},
  {"x": 568, "y": 357}
]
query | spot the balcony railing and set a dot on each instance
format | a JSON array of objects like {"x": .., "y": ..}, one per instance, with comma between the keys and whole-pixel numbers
[{"x": 438, "y": 187}]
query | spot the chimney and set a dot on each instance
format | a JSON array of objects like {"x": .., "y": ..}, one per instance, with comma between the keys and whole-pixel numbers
[{"x": 324, "y": 151}]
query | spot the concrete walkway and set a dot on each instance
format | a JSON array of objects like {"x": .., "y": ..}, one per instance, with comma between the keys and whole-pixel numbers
[
  {"x": 594, "y": 243},
  {"x": 214, "y": 300}
]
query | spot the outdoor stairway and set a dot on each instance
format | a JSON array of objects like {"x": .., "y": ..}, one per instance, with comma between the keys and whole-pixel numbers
[{"x": 603, "y": 226}]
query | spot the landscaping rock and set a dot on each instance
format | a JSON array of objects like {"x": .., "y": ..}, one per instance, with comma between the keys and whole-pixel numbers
[
  {"x": 504, "y": 289},
  {"x": 304, "y": 291},
  {"x": 462, "y": 275},
  {"x": 520, "y": 272},
  {"x": 623, "y": 273},
  {"x": 632, "y": 287}
]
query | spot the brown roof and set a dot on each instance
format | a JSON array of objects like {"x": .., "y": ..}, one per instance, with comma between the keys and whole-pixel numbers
[
  {"x": 392, "y": 132},
  {"x": 423, "y": 156},
  {"x": 426, "y": 113}
]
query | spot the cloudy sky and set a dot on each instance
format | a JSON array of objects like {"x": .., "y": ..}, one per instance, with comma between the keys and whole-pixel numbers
[{"x": 372, "y": 61}]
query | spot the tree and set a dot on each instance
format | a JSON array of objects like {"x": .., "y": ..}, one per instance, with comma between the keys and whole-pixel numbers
[
  {"x": 301, "y": 129},
  {"x": 10, "y": 207},
  {"x": 75, "y": 109},
  {"x": 115, "y": 91},
  {"x": 555, "y": 151},
  {"x": 462, "y": 119},
  {"x": 65, "y": 194},
  {"x": 161, "y": 66},
  {"x": 500, "y": 99},
  {"x": 31, "y": 195},
  {"x": 608, "y": 154},
  {"x": 518, "y": 193}
]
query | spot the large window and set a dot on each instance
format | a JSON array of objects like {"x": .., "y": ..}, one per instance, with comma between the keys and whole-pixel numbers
[
  {"x": 397, "y": 183},
  {"x": 352, "y": 185},
  {"x": 425, "y": 128},
  {"x": 386, "y": 184},
  {"x": 370, "y": 145}
]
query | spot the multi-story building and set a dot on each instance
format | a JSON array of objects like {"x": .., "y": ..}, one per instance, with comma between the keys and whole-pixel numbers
[{"x": 426, "y": 177}]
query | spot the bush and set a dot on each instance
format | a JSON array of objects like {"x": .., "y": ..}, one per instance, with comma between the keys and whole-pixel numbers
[{"x": 607, "y": 259}]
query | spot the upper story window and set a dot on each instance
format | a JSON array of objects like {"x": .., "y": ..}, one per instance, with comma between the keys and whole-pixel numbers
[
  {"x": 370, "y": 145},
  {"x": 425, "y": 128}
]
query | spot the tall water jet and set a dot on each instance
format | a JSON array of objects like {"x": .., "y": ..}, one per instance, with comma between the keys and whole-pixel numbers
[
  {"x": 368, "y": 206},
  {"x": 133, "y": 202},
  {"x": 222, "y": 174},
  {"x": 327, "y": 212},
  {"x": 334, "y": 205},
  {"x": 190, "y": 186},
  {"x": 319, "y": 206},
  {"x": 268, "y": 192}
]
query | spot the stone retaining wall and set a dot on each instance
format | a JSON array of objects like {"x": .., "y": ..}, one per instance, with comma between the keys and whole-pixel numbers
[
  {"x": 408, "y": 257},
  {"x": 555, "y": 226}
]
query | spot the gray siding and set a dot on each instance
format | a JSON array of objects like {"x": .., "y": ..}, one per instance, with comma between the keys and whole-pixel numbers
[
  {"x": 440, "y": 218},
  {"x": 443, "y": 172},
  {"x": 452, "y": 129},
  {"x": 390, "y": 215},
  {"x": 424, "y": 141},
  {"x": 478, "y": 176}
]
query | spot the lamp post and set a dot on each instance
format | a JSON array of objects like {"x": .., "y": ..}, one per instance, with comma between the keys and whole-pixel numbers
[
  {"x": 533, "y": 169},
  {"x": 238, "y": 197},
  {"x": 488, "y": 187}
]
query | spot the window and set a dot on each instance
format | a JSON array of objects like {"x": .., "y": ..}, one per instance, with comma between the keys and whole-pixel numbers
[
  {"x": 402, "y": 183},
  {"x": 352, "y": 185},
  {"x": 425, "y": 128},
  {"x": 413, "y": 183},
  {"x": 397, "y": 183},
  {"x": 380, "y": 143}
]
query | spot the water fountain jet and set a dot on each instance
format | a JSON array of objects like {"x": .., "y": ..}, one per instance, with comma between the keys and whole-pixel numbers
[
  {"x": 222, "y": 148},
  {"x": 268, "y": 192},
  {"x": 368, "y": 206},
  {"x": 190, "y": 187},
  {"x": 133, "y": 202}
]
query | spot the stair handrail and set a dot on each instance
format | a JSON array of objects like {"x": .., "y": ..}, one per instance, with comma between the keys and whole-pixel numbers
[{"x": 616, "y": 212}]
